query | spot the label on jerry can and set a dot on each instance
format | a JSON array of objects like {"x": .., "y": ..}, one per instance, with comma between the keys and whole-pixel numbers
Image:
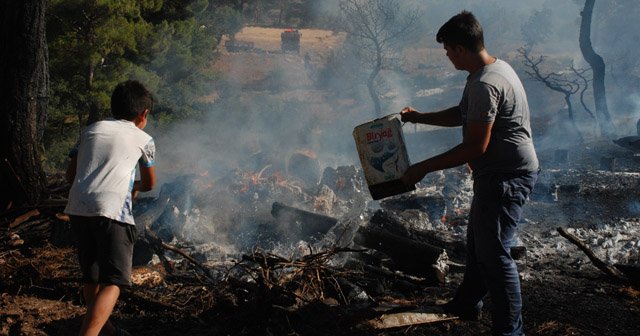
[{"x": 383, "y": 156}]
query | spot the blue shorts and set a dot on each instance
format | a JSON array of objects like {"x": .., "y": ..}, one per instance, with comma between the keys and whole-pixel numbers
[{"x": 105, "y": 250}]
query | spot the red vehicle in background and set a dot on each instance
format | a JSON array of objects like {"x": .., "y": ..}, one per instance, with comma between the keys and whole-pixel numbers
[{"x": 290, "y": 40}]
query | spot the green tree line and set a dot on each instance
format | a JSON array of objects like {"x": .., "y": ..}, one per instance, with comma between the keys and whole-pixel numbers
[{"x": 94, "y": 44}]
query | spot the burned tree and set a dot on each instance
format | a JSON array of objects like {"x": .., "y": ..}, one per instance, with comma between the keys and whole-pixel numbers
[
  {"x": 567, "y": 82},
  {"x": 376, "y": 29},
  {"x": 598, "y": 66},
  {"x": 23, "y": 101}
]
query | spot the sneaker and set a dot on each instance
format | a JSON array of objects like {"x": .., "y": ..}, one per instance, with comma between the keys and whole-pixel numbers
[{"x": 473, "y": 314}]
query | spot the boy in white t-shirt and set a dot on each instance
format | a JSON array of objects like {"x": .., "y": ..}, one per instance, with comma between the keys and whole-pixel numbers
[{"x": 102, "y": 173}]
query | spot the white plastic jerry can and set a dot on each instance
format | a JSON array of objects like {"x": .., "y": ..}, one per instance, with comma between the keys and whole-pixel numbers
[{"x": 383, "y": 156}]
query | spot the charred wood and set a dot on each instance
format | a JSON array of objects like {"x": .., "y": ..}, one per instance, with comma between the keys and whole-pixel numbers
[
  {"x": 149, "y": 240},
  {"x": 384, "y": 279},
  {"x": 410, "y": 256},
  {"x": 158, "y": 243},
  {"x": 304, "y": 223},
  {"x": 455, "y": 247}
]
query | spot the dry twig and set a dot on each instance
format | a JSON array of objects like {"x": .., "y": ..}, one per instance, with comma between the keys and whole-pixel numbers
[{"x": 307, "y": 278}]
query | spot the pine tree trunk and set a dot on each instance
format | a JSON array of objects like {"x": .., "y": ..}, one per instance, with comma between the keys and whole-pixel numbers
[
  {"x": 24, "y": 91},
  {"x": 597, "y": 64}
]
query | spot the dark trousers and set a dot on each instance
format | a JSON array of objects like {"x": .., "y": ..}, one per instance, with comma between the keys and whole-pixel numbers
[{"x": 496, "y": 210}]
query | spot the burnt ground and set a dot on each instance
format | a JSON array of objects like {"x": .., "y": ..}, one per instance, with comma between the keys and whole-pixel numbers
[
  {"x": 40, "y": 297},
  {"x": 563, "y": 293}
]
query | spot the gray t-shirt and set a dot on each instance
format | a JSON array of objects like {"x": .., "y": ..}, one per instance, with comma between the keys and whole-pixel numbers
[{"x": 495, "y": 94}]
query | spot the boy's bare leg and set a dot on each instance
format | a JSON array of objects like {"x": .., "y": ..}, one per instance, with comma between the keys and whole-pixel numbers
[
  {"x": 100, "y": 302},
  {"x": 89, "y": 292}
]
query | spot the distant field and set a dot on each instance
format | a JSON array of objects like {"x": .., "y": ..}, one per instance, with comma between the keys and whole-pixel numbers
[
  {"x": 312, "y": 40},
  {"x": 251, "y": 68}
]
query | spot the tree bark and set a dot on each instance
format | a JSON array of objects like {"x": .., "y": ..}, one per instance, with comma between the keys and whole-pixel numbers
[
  {"x": 567, "y": 100},
  {"x": 24, "y": 95},
  {"x": 598, "y": 66}
]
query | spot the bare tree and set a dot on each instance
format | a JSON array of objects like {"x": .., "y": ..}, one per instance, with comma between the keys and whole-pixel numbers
[
  {"x": 24, "y": 90},
  {"x": 376, "y": 29},
  {"x": 566, "y": 82},
  {"x": 598, "y": 66}
]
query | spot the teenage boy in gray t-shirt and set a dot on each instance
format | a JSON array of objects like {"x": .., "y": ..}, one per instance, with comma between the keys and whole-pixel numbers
[
  {"x": 102, "y": 172},
  {"x": 497, "y": 144}
]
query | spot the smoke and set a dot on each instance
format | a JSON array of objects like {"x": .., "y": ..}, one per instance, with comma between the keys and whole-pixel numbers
[
  {"x": 283, "y": 110},
  {"x": 271, "y": 105}
]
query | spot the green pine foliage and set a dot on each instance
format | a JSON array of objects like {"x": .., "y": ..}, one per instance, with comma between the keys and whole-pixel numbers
[{"x": 95, "y": 44}]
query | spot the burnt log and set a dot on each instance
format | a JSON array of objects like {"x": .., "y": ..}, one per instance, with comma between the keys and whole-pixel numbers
[
  {"x": 409, "y": 256},
  {"x": 455, "y": 247},
  {"x": 301, "y": 223}
]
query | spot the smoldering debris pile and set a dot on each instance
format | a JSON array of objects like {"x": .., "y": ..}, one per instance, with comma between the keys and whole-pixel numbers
[
  {"x": 304, "y": 251},
  {"x": 242, "y": 212},
  {"x": 295, "y": 215}
]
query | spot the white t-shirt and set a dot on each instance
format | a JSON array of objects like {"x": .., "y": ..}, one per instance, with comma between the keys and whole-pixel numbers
[{"x": 108, "y": 152}]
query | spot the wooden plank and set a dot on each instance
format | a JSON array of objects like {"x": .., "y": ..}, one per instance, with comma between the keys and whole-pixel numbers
[{"x": 414, "y": 317}]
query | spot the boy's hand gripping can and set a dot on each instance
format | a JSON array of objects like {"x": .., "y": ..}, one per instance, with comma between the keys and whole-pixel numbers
[{"x": 383, "y": 156}]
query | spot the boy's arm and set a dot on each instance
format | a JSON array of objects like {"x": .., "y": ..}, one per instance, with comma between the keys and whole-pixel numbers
[
  {"x": 70, "y": 174},
  {"x": 147, "y": 179},
  {"x": 147, "y": 171}
]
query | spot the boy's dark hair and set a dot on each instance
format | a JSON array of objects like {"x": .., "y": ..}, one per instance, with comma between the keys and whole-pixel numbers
[
  {"x": 463, "y": 30},
  {"x": 129, "y": 99}
]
